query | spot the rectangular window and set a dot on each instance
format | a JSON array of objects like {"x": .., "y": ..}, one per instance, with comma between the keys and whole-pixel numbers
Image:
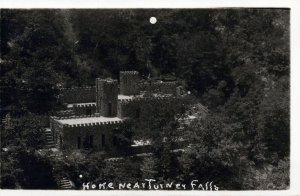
[
  {"x": 103, "y": 140},
  {"x": 114, "y": 140},
  {"x": 91, "y": 141},
  {"x": 79, "y": 142},
  {"x": 60, "y": 142},
  {"x": 88, "y": 111},
  {"x": 137, "y": 113}
]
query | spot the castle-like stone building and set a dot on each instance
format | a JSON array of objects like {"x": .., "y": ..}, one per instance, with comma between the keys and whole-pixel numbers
[{"x": 94, "y": 114}]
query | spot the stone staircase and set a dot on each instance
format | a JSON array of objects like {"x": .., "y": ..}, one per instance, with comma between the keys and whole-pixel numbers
[
  {"x": 7, "y": 122},
  {"x": 63, "y": 183},
  {"x": 49, "y": 139},
  {"x": 203, "y": 108}
]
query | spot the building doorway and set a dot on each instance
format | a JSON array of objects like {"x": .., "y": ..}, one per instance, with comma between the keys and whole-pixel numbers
[
  {"x": 103, "y": 140},
  {"x": 110, "y": 109},
  {"x": 91, "y": 141}
]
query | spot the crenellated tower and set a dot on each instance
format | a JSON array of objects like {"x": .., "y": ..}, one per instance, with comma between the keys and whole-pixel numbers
[
  {"x": 129, "y": 82},
  {"x": 106, "y": 97}
]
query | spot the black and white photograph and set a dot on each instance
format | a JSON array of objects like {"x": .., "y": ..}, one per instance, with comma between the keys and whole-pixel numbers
[{"x": 185, "y": 99}]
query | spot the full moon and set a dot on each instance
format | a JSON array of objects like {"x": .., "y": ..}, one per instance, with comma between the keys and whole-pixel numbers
[{"x": 153, "y": 20}]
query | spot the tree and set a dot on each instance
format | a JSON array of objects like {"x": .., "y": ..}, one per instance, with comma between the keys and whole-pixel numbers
[
  {"x": 26, "y": 132},
  {"x": 216, "y": 152}
]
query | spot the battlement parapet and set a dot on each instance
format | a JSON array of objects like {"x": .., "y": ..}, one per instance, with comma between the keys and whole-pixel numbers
[
  {"x": 72, "y": 117},
  {"x": 106, "y": 97},
  {"x": 159, "y": 87},
  {"x": 152, "y": 98},
  {"x": 104, "y": 86},
  {"x": 159, "y": 83},
  {"x": 94, "y": 124},
  {"x": 76, "y": 88},
  {"x": 84, "y": 105},
  {"x": 129, "y": 73},
  {"x": 136, "y": 99}
]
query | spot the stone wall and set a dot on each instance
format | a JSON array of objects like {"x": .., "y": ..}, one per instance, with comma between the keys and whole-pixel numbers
[
  {"x": 84, "y": 109},
  {"x": 106, "y": 97},
  {"x": 77, "y": 95},
  {"x": 67, "y": 136},
  {"x": 129, "y": 82},
  {"x": 71, "y": 135},
  {"x": 65, "y": 113},
  {"x": 134, "y": 108},
  {"x": 129, "y": 109},
  {"x": 56, "y": 128},
  {"x": 159, "y": 87}
]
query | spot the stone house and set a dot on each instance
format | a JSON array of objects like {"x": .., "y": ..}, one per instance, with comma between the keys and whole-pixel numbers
[{"x": 94, "y": 114}]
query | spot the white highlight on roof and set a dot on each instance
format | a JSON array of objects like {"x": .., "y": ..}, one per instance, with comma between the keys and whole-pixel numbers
[
  {"x": 124, "y": 97},
  {"x": 120, "y": 97},
  {"x": 141, "y": 142},
  {"x": 74, "y": 121}
]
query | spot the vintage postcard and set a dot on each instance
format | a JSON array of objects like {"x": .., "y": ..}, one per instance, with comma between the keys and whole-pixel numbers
[{"x": 146, "y": 99}]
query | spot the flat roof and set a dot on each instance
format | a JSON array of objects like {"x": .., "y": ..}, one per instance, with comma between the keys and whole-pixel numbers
[
  {"x": 120, "y": 97},
  {"x": 86, "y": 120}
]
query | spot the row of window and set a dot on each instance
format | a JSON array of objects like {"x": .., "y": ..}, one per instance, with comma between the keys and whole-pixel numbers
[{"x": 88, "y": 142}]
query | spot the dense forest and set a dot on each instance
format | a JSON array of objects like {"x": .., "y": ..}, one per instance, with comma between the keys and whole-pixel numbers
[{"x": 234, "y": 61}]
